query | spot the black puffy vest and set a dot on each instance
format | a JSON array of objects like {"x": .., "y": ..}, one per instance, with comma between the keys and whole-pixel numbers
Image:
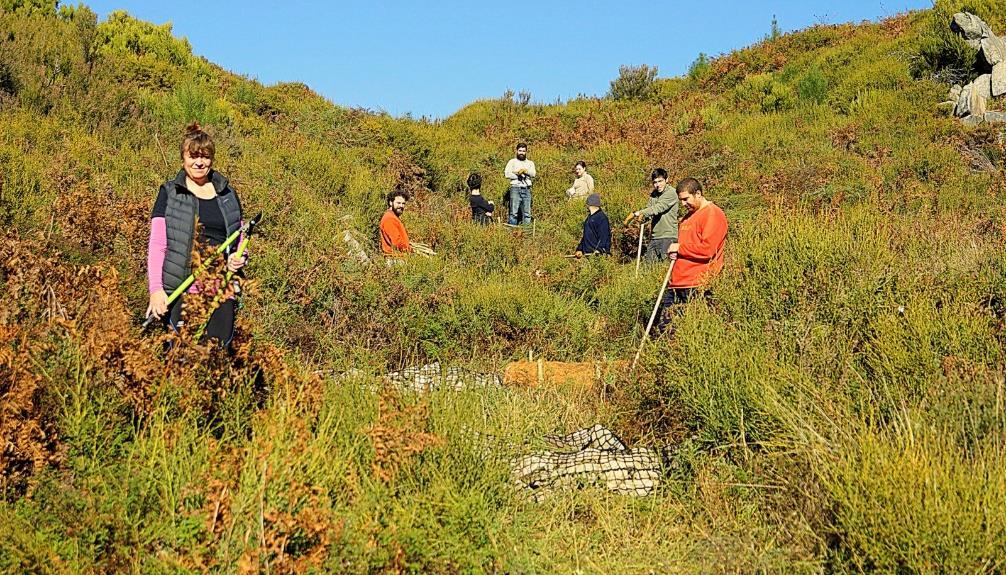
[{"x": 180, "y": 221}]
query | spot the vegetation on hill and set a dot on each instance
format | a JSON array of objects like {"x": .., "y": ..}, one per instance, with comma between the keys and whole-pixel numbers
[{"x": 837, "y": 405}]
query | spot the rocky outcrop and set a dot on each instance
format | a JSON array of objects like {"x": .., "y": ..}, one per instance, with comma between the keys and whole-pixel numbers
[{"x": 970, "y": 102}]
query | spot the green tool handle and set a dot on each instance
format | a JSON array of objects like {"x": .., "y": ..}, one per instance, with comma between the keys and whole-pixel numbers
[
  {"x": 192, "y": 277},
  {"x": 239, "y": 253}
]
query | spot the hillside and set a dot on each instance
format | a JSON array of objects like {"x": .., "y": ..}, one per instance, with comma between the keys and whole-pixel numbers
[{"x": 836, "y": 406}]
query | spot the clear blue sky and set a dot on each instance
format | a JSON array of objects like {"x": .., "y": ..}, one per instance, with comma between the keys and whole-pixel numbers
[{"x": 432, "y": 58}]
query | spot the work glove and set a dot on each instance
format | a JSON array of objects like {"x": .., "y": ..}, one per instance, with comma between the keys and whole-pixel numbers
[
  {"x": 578, "y": 254},
  {"x": 629, "y": 218}
]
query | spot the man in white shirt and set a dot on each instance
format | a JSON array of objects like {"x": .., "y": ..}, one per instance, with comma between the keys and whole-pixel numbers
[{"x": 521, "y": 173}]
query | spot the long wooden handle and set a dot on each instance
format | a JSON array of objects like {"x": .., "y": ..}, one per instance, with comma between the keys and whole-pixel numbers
[
  {"x": 639, "y": 250},
  {"x": 653, "y": 316}
]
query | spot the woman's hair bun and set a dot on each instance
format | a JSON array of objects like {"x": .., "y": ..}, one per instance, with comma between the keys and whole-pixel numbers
[{"x": 193, "y": 129}]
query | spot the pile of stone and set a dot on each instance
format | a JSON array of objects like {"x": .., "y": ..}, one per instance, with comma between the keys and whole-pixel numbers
[{"x": 970, "y": 102}]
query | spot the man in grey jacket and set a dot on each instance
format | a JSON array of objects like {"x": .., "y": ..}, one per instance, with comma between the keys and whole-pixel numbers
[
  {"x": 521, "y": 173},
  {"x": 663, "y": 209}
]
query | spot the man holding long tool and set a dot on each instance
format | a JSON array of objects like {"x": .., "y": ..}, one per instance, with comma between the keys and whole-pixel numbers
[
  {"x": 698, "y": 253},
  {"x": 662, "y": 209},
  {"x": 695, "y": 258}
]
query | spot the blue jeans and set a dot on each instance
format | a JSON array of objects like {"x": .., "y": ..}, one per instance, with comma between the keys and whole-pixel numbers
[{"x": 520, "y": 203}]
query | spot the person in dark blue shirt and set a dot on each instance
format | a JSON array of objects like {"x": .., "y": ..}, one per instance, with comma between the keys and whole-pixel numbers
[
  {"x": 596, "y": 230},
  {"x": 482, "y": 209}
]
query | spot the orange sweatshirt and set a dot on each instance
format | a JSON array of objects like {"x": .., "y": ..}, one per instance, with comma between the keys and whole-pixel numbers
[
  {"x": 702, "y": 236},
  {"x": 394, "y": 238}
]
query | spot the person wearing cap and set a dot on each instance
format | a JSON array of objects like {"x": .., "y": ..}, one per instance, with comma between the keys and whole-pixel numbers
[
  {"x": 583, "y": 185},
  {"x": 596, "y": 230},
  {"x": 698, "y": 253}
]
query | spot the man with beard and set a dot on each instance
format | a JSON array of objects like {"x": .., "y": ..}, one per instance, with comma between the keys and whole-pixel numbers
[
  {"x": 698, "y": 254},
  {"x": 394, "y": 238},
  {"x": 520, "y": 171}
]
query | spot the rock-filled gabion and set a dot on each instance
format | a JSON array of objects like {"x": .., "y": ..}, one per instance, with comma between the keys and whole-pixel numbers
[
  {"x": 432, "y": 376},
  {"x": 588, "y": 457},
  {"x": 593, "y": 456}
]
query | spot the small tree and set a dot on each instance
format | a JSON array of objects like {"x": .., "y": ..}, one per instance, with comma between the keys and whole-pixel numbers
[
  {"x": 633, "y": 83},
  {"x": 699, "y": 68},
  {"x": 776, "y": 32}
]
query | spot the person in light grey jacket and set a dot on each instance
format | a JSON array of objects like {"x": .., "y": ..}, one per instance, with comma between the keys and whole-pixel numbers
[{"x": 521, "y": 173}]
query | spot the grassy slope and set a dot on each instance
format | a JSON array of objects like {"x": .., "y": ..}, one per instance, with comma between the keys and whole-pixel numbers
[{"x": 819, "y": 425}]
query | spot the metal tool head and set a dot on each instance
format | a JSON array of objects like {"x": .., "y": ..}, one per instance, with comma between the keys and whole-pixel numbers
[{"x": 250, "y": 224}]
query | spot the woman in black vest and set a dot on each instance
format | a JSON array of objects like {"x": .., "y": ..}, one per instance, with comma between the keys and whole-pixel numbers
[{"x": 196, "y": 192}]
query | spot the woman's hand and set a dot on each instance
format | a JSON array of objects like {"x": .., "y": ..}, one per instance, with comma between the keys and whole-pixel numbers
[
  {"x": 236, "y": 262},
  {"x": 158, "y": 305}
]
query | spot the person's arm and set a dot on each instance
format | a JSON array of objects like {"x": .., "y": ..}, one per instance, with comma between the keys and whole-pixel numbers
[
  {"x": 486, "y": 205},
  {"x": 590, "y": 183},
  {"x": 707, "y": 239},
  {"x": 401, "y": 237},
  {"x": 530, "y": 170},
  {"x": 590, "y": 238},
  {"x": 235, "y": 263},
  {"x": 603, "y": 235},
  {"x": 509, "y": 170},
  {"x": 667, "y": 203},
  {"x": 157, "y": 251}
]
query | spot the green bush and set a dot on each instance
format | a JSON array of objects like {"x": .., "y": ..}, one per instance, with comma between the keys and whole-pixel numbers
[
  {"x": 763, "y": 92},
  {"x": 633, "y": 83},
  {"x": 813, "y": 86}
]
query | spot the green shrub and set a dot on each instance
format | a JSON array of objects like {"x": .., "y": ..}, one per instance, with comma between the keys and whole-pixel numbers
[
  {"x": 633, "y": 83},
  {"x": 700, "y": 68},
  {"x": 942, "y": 54},
  {"x": 813, "y": 86},
  {"x": 763, "y": 92}
]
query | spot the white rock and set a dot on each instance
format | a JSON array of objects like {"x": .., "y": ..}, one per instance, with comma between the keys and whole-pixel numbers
[
  {"x": 982, "y": 86},
  {"x": 955, "y": 92},
  {"x": 998, "y": 82},
  {"x": 994, "y": 50},
  {"x": 971, "y": 27},
  {"x": 979, "y": 101},
  {"x": 963, "y": 107}
]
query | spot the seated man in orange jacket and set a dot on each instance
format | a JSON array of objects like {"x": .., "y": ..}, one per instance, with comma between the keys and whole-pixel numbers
[
  {"x": 394, "y": 238},
  {"x": 698, "y": 253}
]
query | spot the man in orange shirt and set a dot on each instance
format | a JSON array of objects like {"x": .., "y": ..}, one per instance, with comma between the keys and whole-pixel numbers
[
  {"x": 394, "y": 238},
  {"x": 698, "y": 253}
]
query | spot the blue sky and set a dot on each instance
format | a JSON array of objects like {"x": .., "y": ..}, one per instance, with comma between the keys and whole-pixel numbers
[{"x": 432, "y": 58}]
